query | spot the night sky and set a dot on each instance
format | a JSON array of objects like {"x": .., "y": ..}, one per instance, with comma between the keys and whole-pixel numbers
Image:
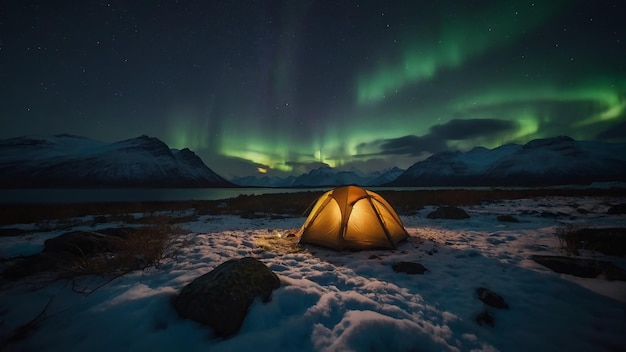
[{"x": 284, "y": 86}]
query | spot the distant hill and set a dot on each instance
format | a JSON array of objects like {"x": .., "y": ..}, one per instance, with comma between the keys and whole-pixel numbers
[
  {"x": 321, "y": 177},
  {"x": 73, "y": 161},
  {"x": 541, "y": 162}
]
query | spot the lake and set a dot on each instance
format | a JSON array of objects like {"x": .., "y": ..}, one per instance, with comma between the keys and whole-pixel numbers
[{"x": 97, "y": 195}]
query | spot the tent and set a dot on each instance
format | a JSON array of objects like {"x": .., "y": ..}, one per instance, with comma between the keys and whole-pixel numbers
[{"x": 351, "y": 217}]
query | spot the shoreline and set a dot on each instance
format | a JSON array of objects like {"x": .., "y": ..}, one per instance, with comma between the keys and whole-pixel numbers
[{"x": 292, "y": 203}]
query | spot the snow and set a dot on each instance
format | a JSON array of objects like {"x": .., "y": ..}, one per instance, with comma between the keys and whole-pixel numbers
[
  {"x": 323, "y": 176},
  {"x": 347, "y": 301},
  {"x": 66, "y": 157},
  {"x": 541, "y": 161}
]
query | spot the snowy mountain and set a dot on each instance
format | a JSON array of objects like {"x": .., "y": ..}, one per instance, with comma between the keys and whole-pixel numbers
[
  {"x": 386, "y": 177},
  {"x": 323, "y": 176},
  {"x": 327, "y": 176},
  {"x": 73, "y": 161},
  {"x": 265, "y": 181},
  {"x": 541, "y": 162}
]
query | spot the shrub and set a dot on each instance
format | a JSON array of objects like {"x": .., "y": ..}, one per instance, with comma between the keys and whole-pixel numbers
[
  {"x": 569, "y": 239},
  {"x": 610, "y": 241},
  {"x": 141, "y": 248}
]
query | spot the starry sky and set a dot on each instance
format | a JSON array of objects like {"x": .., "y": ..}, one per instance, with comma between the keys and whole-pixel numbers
[{"x": 282, "y": 87}]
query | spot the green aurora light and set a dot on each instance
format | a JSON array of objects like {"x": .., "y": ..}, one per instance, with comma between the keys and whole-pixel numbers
[
  {"x": 288, "y": 86},
  {"x": 459, "y": 39}
]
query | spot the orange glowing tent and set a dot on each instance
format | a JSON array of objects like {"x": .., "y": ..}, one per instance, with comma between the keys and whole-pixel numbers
[{"x": 351, "y": 217}]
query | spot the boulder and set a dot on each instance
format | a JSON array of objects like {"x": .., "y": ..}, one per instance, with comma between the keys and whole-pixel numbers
[
  {"x": 409, "y": 268},
  {"x": 86, "y": 242},
  {"x": 29, "y": 265},
  {"x": 491, "y": 298},
  {"x": 62, "y": 250},
  {"x": 221, "y": 298},
  {"x": 448, "y": 212},
  {"x": 581, "y": 267},
  {"x": 607, "y": 240}
]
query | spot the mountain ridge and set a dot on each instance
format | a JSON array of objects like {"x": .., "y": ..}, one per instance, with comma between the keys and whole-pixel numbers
[
  {"x": 146, "y": 162},
  {"x": 541, "y": 162},
  {"x": 78, "y": 162},
  {"x": 324, "y": 176}
]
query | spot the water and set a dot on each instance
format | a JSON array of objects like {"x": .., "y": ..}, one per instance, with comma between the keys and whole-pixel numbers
[{"x": 98, "y": 195}]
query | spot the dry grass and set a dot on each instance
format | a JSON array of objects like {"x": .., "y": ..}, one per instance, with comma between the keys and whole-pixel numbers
[
  {"x": 280, "y": 243},
  {"x": 142, "y": 248},
  {"x": 569, "y": 239},
  {"x": 610, "y": 241}
]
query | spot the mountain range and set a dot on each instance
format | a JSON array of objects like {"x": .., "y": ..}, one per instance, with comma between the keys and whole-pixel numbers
[
  {"x": 541, "y": 162},
  {"x": 324, "y": 176},
  {"x": 74, "y": 161}
]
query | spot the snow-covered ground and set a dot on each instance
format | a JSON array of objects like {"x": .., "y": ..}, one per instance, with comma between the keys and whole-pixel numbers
[{"x": 332, "y": 301}]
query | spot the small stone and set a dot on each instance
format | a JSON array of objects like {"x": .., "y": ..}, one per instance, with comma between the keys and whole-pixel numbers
[
  {"x": 507, "y": 218},
  {"x": 491, "y": 298},
  {"x": 617, "y": 209},
  {"x": 486, "y": 318},
  {"x": 409, "y": 268},
  {"x": 448, "y": 212}
]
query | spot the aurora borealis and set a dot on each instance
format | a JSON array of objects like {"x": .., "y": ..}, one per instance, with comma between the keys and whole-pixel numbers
[{"x": 284, "y": 86}]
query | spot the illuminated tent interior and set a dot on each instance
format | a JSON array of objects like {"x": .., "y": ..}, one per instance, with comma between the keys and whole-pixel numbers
[{"x": 351, "y": 217}]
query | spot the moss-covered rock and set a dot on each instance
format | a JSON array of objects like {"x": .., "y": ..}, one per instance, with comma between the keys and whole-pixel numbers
[{"x": 221, "y": 298}]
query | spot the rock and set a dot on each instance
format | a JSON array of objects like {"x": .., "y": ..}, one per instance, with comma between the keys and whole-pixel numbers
[
  {"x": 552, "y": 215},
  {"x": 62, "y": 250},
  {"x": 6, "y": 232},
  {"x": 221, "y": 298},
  {"x": 617, "y": 209},
  {"x": 609, "y": 240},
  {"x": 85, "y": 242},
  {"x": 101, "y": 219},
  {"x": 507, "y": 218},
  {"x": 409, "y": 268},
  {"x": 486, "y": 318},
  {"x": 448, "y": 212},
  {"x": 29, "y": 266},
  {"x": 581, "y": 267},
  {"x": 491, "y": 298}
]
